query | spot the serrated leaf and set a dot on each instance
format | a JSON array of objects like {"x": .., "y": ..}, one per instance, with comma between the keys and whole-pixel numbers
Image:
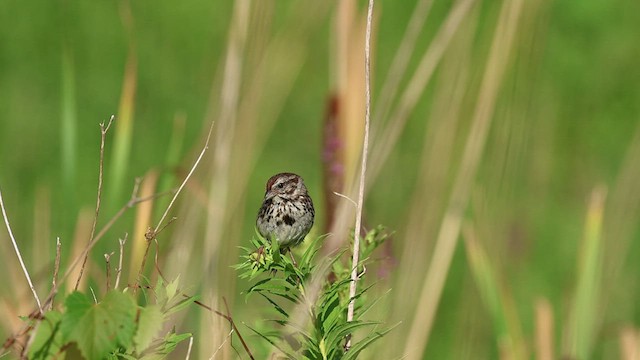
[
  {"x": 101, "y": 328},
  {"x": 149, "y": 323},
  {"x": 48, "y": 338}
]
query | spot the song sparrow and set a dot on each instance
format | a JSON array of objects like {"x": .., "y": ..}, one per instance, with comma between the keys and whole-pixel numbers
[{"x": 287, "y": 211}]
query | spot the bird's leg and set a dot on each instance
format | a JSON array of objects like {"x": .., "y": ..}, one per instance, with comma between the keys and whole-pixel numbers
[{"x": 293, "y": 259}]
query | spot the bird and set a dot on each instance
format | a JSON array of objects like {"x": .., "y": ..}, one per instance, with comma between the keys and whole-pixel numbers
[{"x": 287, "y": 212}]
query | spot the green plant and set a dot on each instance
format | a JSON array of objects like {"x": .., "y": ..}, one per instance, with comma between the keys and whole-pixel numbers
[
  {"x": 113, "y": 328},
  {"x": 325, "y": 332}
]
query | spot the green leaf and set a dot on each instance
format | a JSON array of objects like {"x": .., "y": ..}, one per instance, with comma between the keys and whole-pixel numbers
[
  {"x": 342, "y": 330},
  {"x": 285, "y": 352},
  {"x": 48, "y": 339},
  {"x": 149, "y": 323},
  {"x": 311, "y": 251},
  {"x": 101, "y": 328},
  {"x": 172, "y": 340},
  {"x": 161, "y": 293},
  {"x": 330, "y": 313},
  {"x": 180, "y": 305},
  {"x": 172, "y": 288},
  {"x": 355, "y": 350},
  {"x": 275, "y": 306}
]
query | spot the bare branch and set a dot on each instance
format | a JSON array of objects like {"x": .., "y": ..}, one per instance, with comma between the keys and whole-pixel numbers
[
  {"x": 363, "y": 170},
  {"x": 103, "y": 136},
  {"x": 193, "y": 168},
  {"x": 134, "y": 200},
  {"x": 107, "y": 258},
  {"x": 15, "y": 246},
  {"x": 119, "y": 270},
  {"x": 221, "y": 345},
  {"x": 152, "y": 233}
]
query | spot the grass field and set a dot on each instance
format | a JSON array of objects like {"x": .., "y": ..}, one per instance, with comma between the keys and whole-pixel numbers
[{"x": 504, "y": 156}]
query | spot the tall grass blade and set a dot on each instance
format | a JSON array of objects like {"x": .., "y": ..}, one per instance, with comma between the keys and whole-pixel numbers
[
  {"x": 429, "y": 297},
  {"x": 68, "y": 128},
  {"x": 584, "y": 319}
]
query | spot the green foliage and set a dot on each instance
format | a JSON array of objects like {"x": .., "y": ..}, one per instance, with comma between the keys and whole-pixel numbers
[
  {"x": 115, "y": 327},
  {"x": 101, "y": 328},
  {"x": 48, "y": 340},
  {"x": 282, "y": 281}
]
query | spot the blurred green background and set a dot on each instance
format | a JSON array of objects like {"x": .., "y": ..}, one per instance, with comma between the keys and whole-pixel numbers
[{"x": 562, "y": 126}]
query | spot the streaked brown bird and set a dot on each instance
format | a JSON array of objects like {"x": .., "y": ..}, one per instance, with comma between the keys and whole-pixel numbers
[{"x": 287, "y": 213}]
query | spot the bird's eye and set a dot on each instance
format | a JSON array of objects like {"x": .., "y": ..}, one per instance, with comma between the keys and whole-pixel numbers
[{"x": 280, "y": 186}]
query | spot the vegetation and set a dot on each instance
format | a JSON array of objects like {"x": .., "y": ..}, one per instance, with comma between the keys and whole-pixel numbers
[{"x": 503, "y": 154}]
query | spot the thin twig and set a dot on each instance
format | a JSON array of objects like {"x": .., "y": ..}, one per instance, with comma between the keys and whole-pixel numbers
[
  {"x": 103, "y": 136},
  {"x": 93, "y": 293},
  {"x": 56, "y": 268},
  {"x": 233, "y": 325},
  {"x": 363, "y": 170},
  {"x": 193, "y": 168},
  {"x": 226, "y": 317},
  {"x": 107, "y": 258},
  {"x": 355, "y": 205},
  {"x": 221, "y": 345},
  {"x": 134, "y": 200},
  {"x": 152, "y": 233},
  {"x": 119, "y": 270},
  {"x": 15, "y": 246},
  {"x": 155, "y": 258},
  {"x": 189, "y": 349}
]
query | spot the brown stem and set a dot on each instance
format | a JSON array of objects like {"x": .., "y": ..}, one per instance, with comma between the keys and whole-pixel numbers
[{"x": 103, "y": 135}]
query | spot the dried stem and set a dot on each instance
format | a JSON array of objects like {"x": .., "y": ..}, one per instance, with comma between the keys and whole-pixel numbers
[
  {"x": 119, "y": 270},
  {"x": 189, "y": 349},
  {"x": 134, "y": 200},
  {"x": 363, "y": 170},
  {"x": 221, "y": 345},
  {"x": 56, "y": 268},
  {"x": 431, "y": 290},
  {"x": 152, "y": 233},
  {"x": 193, "y": 168},
  {"x": 107, "y": 258},
  {"x": 228, "y": 318},
  {"x": 15, "y": 246},
  {"x": 103, "y": 135}
]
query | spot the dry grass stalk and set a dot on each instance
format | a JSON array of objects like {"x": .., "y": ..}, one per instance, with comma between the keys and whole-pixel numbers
[
  {"x": 103, "y": 136},
  {"x": 390, "y": 134},
  {"x": 418, "y": 335},
  {"x": 544, "y": 330},
  {"x": 363, "y": 170},
  {"x": 15, "y": 246},
  {"x": 121, "y": 242}
]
